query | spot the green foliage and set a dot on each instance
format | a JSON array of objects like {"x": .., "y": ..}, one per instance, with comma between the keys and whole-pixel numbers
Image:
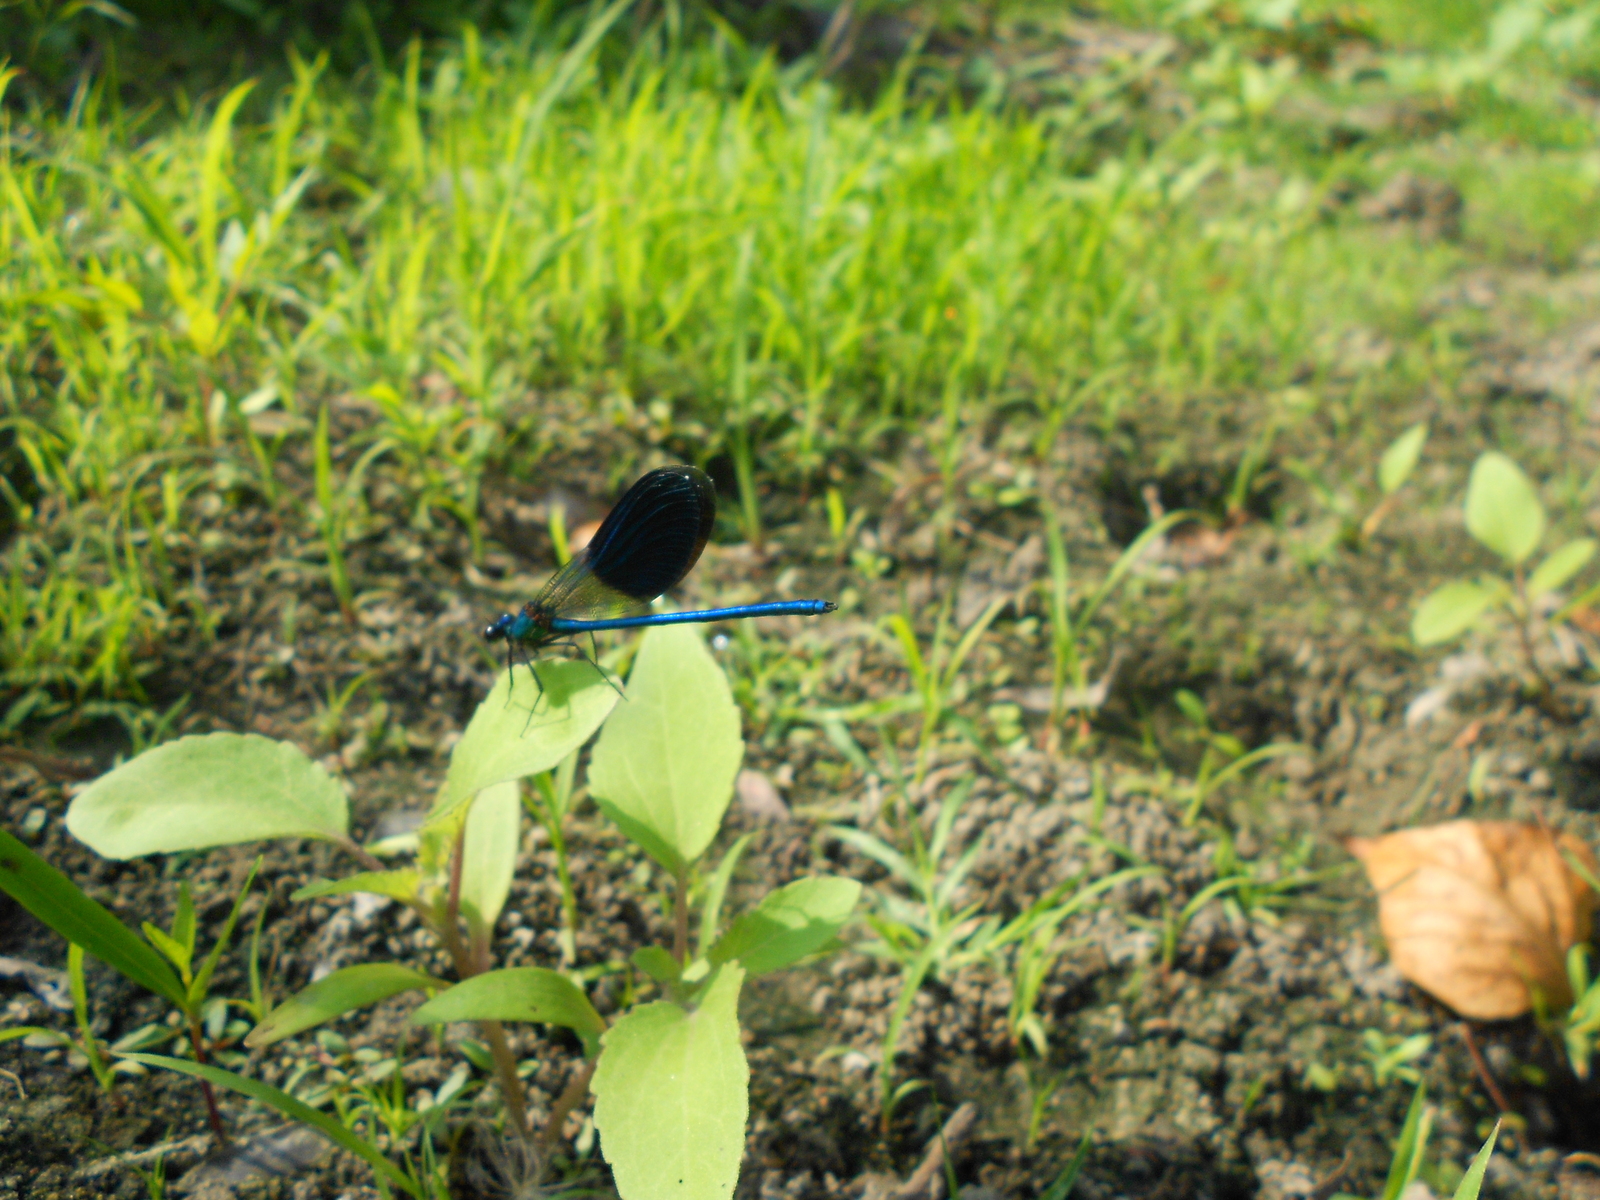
[
  {"x": 672, "y": 1095},
  {"x": 334, "y": 995},
  {"x": 789, "y": 924},
  {"x": 330, "y": 1127},
  {"x": 518, "y": 994},
  {"x": 1504, "y": 513},
  {"x": 670, "y": 1073},
  {"x": 1400, "y": 459},
  {"x": 1392, "y": 1058},
  {"x": 64, "y": 907},
  {"x": 664, "y": 766},
  {"x": 1503, "y": 510},
  {"x": 1581, "y": 1023},
  {"x": 1070, "y": 616},
  {"x": 218, "y": 789}
]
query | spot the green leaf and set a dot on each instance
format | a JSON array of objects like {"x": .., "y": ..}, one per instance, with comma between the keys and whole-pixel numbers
[
  {"x": 717, "y": 890},
  {"x": 211, "y": 790},
  {"x": 174, "y": 951},
  {"x": 397, "y": 885},
  {"x": 346, "y": 989},
  {"x": 1400, "y": 459},
  {"x": 202, "y": 981},
  {"x": 489, "y": 852},
  {"x": 183, "y": 922},
  {"x": 658, "y": 964},
  {"x": 518, "y": 994},
  {"x": 1472, "y": 1181},
  {"x": 1503, "y": 509},
  {"x": 518, "y": 732},
  {"x": 671, "y": 1097},
  {"x": 788, "y": 924},
  {"x": 1561, "y": 566},
  {"x": 1452, "y": 610},
  {"x": 61, "y": 904},
  {"x": 1409, "y": 1148},
  {"x": 330, "y": 1127},
  {"x": 664, "y": 766}
]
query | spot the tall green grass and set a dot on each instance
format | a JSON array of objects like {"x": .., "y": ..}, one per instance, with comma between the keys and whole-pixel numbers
[{"x": 802, "y": 283}]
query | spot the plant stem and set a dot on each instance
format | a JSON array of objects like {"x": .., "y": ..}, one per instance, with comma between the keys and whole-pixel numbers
[
  {"x": 1482, "y": 1068},
  {"x": 569, "y": 1099},
  {"x": 680, "y": 919},
  {"x": 213, "y": 1114},
  {"x": 467, "y": 965}
]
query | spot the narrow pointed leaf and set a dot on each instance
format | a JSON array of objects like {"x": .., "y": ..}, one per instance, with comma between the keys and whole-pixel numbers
[
  {"x": 788, "y": 924},
  {"x": 296, "y": 1110},
  {"x": 1472, "y": 1182},
  {"x": 344, "y": 991},
  {"x": 217, "y": 789},
  {"x": 671, "y": 1097},
  {"x": 397, "y": 885},
  {"x": 63, "y": 905},
  {"x": 665, "y": 763},
  {"x": 202, "y": 980}
]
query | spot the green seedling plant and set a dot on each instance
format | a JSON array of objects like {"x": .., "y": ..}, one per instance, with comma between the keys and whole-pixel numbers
[
  {"x": 1394, "y": 469},
  {"x": 163, "y": 962},
  {"x": 1247, "y": 889},
  {"x": 1408, "y": 1166},
  {"x": 85, "y": 1049},
  {"x": 668, "y": 1076},
  {"x": 1580, "y": 1024},
  {"x": 935, "y": 675},
  {"x": 1391, "y": 1058},
  {"x": 1504, "y": 514},
  {"x": 925, "y": 935},
  {"x": 1223, "y": 757},
  {"x": 1071, "y": 618}
]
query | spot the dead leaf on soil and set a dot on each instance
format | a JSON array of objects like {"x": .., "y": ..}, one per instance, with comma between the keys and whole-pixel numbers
[{"x": 1477, "y": 911}]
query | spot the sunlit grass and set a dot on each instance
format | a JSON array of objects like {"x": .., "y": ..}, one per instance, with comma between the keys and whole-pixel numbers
[{"x": 793, "y": 280}]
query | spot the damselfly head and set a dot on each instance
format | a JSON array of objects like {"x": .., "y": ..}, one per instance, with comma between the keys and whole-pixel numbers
[{"x": 501, "y": 627}]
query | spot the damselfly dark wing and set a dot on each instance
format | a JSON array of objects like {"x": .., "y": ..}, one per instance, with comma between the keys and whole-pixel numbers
[{"x": 646, "y": 544}]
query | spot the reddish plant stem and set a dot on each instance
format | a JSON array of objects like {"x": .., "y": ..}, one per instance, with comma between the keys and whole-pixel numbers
[
  {"x": 1482, "y": 1068},
  {"x": 680, "y": 919},
  {"x": 571, "y": 1096},
  {"x": 467, "y": 965},
  {"x": 213, "y": 1113}
]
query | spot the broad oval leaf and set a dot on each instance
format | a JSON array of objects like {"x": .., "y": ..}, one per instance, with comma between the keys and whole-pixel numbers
[
  {"x": 345, "y": 990},
  {"x": 1503, "y": 509},
  {"x": 1400, "y": 459},
  {"x": 1452, "y": 610},
  {"x": 519, "y": 730},
  {"x": 672, "y": 1092},
  {"x": 1561, "y": 566},
  {"x": 788, "y": 924},
  {"x": 665, "y": 763},
  {"x": 489, "y": 852},
  {"x": 517, "y": 994},
  {"x": 215, "y": 789},
  {"x": 70, "y": 911}
]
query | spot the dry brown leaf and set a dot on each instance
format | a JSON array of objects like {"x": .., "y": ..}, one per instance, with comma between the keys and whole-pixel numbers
[{"x": 1477, "y": 911}]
